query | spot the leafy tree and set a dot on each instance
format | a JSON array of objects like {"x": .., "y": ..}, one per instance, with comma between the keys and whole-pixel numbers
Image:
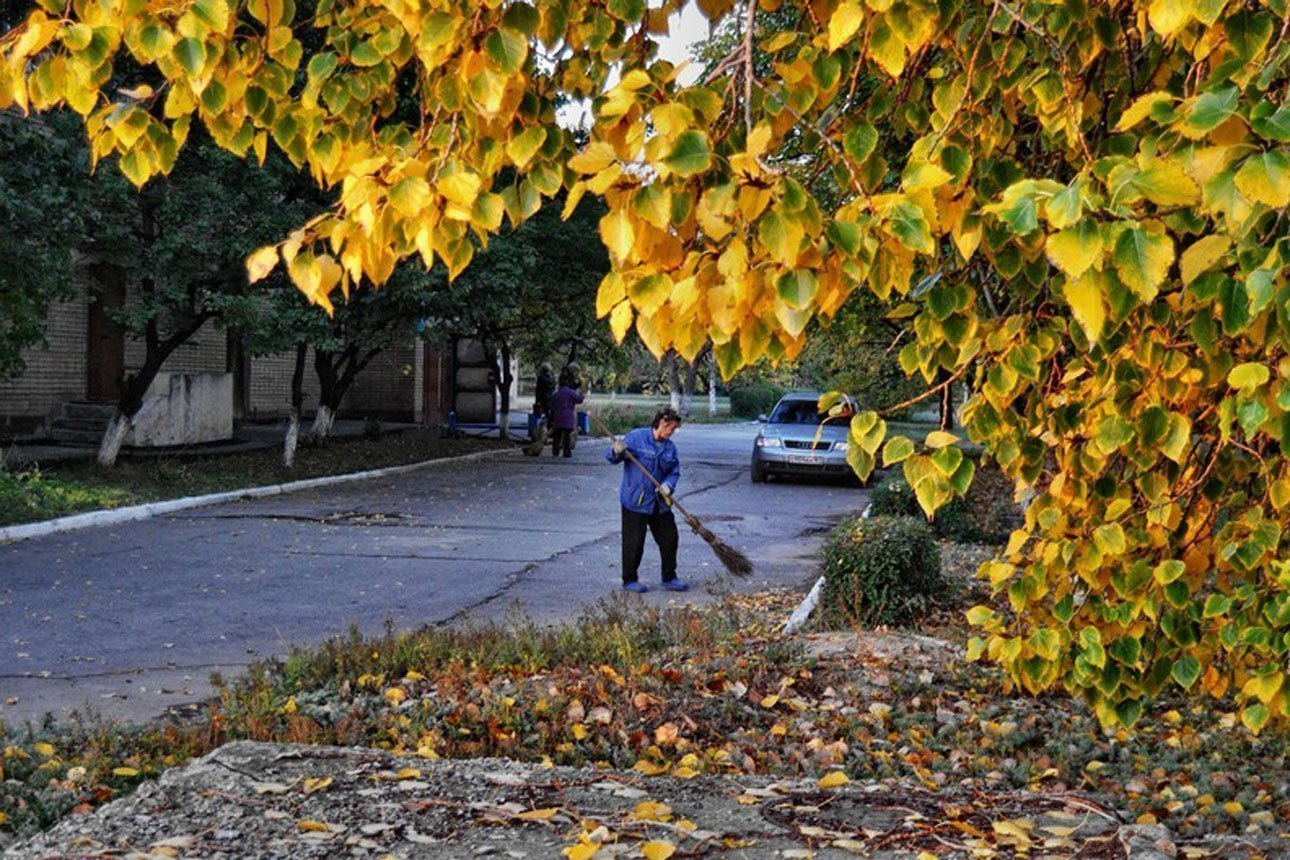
[
  {"x": 530, "y": 292},
  {"x": 180, "y": 243},
  {"x": 1101, "y": 187},
  {"x": 40, "y": 226}
]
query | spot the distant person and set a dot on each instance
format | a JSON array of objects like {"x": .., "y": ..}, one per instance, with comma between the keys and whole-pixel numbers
[
  {"x": 644, "y": 504},
  {"x": 571, "y": 375},
  {"x": 544, "y": 391},
  {"x": 564, "y": 419}
]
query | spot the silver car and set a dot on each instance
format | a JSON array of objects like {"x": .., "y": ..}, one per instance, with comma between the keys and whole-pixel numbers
[{"x": 798, "y": 440}]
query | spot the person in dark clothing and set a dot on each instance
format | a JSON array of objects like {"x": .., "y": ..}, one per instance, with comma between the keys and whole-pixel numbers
[
  {"x": 543, "y": 392},
  {"x": 647, "y": 505},
  {"x": 571, "y": 375},
  {"x": 564, "y": 419}
]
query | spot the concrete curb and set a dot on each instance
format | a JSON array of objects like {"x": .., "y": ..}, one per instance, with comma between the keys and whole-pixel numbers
[{"x": 10, "y": 534}]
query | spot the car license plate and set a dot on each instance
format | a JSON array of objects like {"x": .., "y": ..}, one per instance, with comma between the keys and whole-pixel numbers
[{"x": 803, "y": 460}]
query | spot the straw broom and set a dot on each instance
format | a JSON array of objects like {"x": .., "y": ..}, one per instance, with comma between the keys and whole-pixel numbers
[{"x": 732, "y": 559}]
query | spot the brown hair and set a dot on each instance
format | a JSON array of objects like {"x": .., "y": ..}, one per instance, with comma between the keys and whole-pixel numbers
[{"x": 667, "y": 414}]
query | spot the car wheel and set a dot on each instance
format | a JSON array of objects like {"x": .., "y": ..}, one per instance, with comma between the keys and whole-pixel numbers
[{"x": 758, "y": 473}]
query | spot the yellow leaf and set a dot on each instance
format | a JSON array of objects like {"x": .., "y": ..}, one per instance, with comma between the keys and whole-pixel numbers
[
  {"x": 770, "y": 701},
  {"x": 683, "y": 772},
  {"x": 539, "y": 814},
  {"x": 313, "y": 784},
  {"x": 579, "y": 731},
  {"x": 940, "y": 439},
  {"x": 1140, "y": 109},
  {"x": 844, "y": 23},
  {"x": 1168, "y": 16},
  {"x": 658, "y": 850},
  {"x": 1085, "y": 298},
  {"x": 596, "y": 157},
  {"x": 620, "y": 320},
  {"x": 410, "y": 196},
  {"x": 408, "y": 773},
  {"x": 43, "y": 748},
  {"x": 395, "y": 695},
  {"x": 308, "y": 825},
  {"x": 1167, "y": 184},
  {"x": 581, "y": 851},
  {"x": 125, "y": 771},
  {"x": 261, "y": 263},
  {"x": 618, "y": 233},
  {"x": 651, "y": 810},
  {"x": 649, "y": 768},
  {"x": 461, "y": 187},
  {"x": 833, "y": 779},
  {"x": 1201, "y": 255},
  {"x": 610, "y": 293},
  {"x": 1076, "y": 248}
]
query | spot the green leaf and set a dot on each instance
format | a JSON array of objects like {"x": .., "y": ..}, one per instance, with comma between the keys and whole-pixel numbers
[
  {"x": 1167, "y": 571},
  {"x": 191, "y": 54},
  {"x": 797, "y": 288},
  {"x": 1139, "y": 110},
  {"x": 365, "y": 55},
  {"x": 897, "y": 449},
  {"x": 1110, "y": 539},
  {"x": 1142, "y": 260},
  {"x": 940, "y": 439},
  {"x": 690, "y": 154},
  {"x": 844, "y": 235},
  {"x": 860, "y": 140},
  {"x": 1216, "y": 605},
  {"x": 508, "y": 49},
  {"x": 1075, "y": 249},
  {"x": 1210, "y": 110},
  {"x": 321, "y": 66},
  {"x": 908, "y": 224},
  {"x": 1273, "y": 124},
  {"x": 628, "y": 11},
  {"x": 522, "y": 147}
]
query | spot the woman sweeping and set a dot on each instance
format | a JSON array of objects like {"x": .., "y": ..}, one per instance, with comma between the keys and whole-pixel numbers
[{"x": 647, "y": 503}]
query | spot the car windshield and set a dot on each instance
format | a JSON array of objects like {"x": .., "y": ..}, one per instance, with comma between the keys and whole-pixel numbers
[{"x": 796, "y": 412}]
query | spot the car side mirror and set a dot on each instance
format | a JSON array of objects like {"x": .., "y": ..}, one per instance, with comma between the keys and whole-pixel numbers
[{"x": 762, "y": 418}]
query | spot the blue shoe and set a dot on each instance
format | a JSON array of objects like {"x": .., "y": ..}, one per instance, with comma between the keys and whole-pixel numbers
[
  {"x": 635, "y": 587},
  {"x": 675, "y": 585}
]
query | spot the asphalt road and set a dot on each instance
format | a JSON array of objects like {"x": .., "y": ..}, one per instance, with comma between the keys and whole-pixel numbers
[{"x": 125, "y": 621}]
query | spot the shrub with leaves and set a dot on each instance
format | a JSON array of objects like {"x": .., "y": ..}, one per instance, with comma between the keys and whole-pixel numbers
[
  {"x": 754, "y": 398},
  {"x": 881, "y": 570},
  {"x": 987, "y": 514}
]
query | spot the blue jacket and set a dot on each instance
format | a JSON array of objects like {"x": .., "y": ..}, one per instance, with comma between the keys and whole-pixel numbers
[{"x": 660, "y": 458}]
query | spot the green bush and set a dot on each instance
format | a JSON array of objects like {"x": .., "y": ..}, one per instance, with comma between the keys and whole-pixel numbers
[
  {"x": 882, "y": 570},
  {"x": 986, "y": 515},
  {"x": 754, "y": 398}
]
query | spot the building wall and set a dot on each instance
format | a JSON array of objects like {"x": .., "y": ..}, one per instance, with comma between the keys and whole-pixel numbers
[
  {"x": 386, "y": 388},
  {"x": 270, "y": 385},
  {"x": 55, "y": 373},
  {"x": 206, "y": 351}
]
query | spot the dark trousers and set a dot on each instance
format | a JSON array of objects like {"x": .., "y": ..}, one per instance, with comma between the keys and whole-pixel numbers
[
  {"x": 663, "y": 526},
  {"x": 562, "y": 440}
]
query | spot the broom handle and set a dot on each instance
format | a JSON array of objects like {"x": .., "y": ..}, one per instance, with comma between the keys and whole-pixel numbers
[{"x": 632, "y": 457}]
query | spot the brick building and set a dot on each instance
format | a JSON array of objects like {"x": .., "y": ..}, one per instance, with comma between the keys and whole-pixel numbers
[{"x": 86, "y": 354}]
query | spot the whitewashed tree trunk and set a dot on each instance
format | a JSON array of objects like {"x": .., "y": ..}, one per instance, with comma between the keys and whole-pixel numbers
[
  {"x": 323, "y": 421},
  {"x": 504, "y": 426},
  {"x": 712, "y": 386},
  {"x": 292, "y": 440},
  {"x": 113, "y": 439}
]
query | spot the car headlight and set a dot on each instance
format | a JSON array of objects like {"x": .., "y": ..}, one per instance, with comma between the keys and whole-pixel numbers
[
  {"x": 839, "y": 446},
  {"x": 767, "y": 441}
]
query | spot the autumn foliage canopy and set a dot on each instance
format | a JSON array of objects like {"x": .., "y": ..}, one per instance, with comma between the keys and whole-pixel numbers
[{"x": 1077, "y": 207}]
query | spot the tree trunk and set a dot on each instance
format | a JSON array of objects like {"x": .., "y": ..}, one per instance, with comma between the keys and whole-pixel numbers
[
  {"x": 136, "y": 385},
  {"x": 674, "y": 378},
  {"x": 947, "y": 406},
  {"x": 504, "y": 390},
  {"x": 323, "y": 421},
  {"x": 297, "y": 400},
  {"x": 712, "y": 384},
  {"x": 113, "y": 438},
  {"x": 691, "y": 379}
]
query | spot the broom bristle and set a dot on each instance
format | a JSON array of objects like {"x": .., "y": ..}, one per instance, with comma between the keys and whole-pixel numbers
[{"x": 732, "y": 559}]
